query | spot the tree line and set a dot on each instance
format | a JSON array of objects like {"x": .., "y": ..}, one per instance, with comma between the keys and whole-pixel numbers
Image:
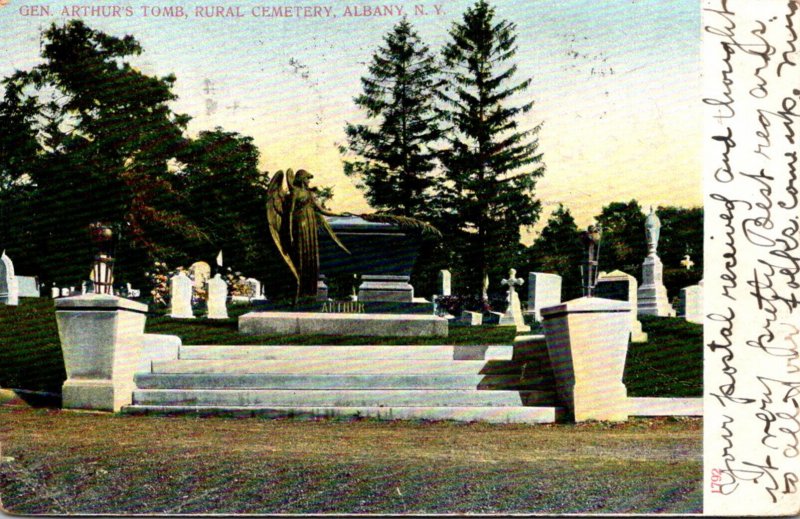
[{"x": 88, "y": 137}]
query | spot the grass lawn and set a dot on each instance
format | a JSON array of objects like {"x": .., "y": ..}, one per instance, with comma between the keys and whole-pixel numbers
[
  {"x": 669, "y": 364},
  {"x": 60, "y": 462}
]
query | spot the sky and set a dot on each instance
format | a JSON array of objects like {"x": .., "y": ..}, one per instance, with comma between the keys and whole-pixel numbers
[{"x": 616, "y": 84}]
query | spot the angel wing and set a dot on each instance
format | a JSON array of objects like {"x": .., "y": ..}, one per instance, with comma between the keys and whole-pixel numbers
[
  {"x": 329, "y": 230},
  {"x": 276, "y": 195}
]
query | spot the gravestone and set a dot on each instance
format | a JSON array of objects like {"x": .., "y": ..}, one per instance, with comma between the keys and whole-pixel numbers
[
  {"x": 28, "y": 286},
  {"x": 181, "y": 296},
  {"x": 690, "y": 304},
  {"x": 513, "y": 313},
  {"x": 620, "y": 286},
  {"x": 200, "y": 272},
  {"x": 470, "y": 318},
  {"x": 543, "y": 290},
  {"x": 254, "y": 288},
  {"x": 55, "y": 291},
  {"x": 217, "y": 298},
  {"x": 65, "y": 292},
  {"x": 652, "y": 295},
  {"x": 9, "y": 287},
  {"x": 444, "y": 283}
]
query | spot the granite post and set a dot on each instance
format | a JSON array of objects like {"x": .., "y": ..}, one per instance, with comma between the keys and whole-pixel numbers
[
  {"x": 102, "y": 338},
  {"x": 587, "y": 343}
]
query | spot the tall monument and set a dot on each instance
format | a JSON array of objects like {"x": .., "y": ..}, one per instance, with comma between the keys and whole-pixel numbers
[{"x": 652, "y": 295}]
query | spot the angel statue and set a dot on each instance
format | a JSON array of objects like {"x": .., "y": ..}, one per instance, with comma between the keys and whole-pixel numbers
[{"x": 294, "y": 217}]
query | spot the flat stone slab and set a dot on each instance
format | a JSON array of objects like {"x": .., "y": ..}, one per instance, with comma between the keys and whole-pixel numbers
[
  {"x": 373, "y": 325},
  {"x": 496, "y": 414},
  {"x": 645, "y": 406}
]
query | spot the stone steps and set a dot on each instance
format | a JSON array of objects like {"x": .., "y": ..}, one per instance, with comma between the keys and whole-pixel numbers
[
  {"x": 495, "y": 414},
  {"x": 338, "y": 397},
  {"x": 333, "y": 367},
  {"x": 399, "y": 382},
  {"x": 341, "y": 353},
  {"x": 357, "y": 381}
]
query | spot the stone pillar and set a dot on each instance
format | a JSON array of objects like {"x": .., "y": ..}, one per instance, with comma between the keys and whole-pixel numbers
[
  {"x": 543, "y": 290},
  {"x": 652, "y": 294},
  {"x": 444, "y": 283},
  {"x": 102, "y": 337},
  {"x": 181, "y": 297},
  {"x": 217, "y": 298},
  {"x": 587, "y": 342}
]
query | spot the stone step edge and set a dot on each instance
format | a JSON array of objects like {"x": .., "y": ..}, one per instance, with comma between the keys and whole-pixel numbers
[
  {"x": 234, "y": 381},
  {"x": 487, "y": 352},
  {"x": 500, "y": 415}
]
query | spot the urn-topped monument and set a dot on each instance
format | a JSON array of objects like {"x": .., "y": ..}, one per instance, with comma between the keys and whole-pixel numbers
[{"x": 652, "y": 295}]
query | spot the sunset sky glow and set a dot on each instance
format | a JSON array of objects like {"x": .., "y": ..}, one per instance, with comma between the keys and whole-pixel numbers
[{"x": 616, "y": 85}]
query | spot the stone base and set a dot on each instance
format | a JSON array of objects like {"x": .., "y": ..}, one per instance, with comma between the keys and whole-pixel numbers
[
  {"x": 385, "y": 288},
  {"x": 95, "y": 395},
  {"x": 374, "y": 325},
  {"x": 652, "y": 295}
]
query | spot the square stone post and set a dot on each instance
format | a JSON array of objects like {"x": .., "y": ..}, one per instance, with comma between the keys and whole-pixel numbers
[
  {"x": 102, "y": 338},
  {"x": 587, "y": 342}
]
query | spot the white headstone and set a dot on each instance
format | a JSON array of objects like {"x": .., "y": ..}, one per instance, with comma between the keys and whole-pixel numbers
[
  {"x": 9, "y": 287},
  {"x": 513, "y": 314},
  {"x": 217, "y": 298},
  {"x": 444, "y": 283},
  {"x": 84, "y": 288},
  {"x": 181, "y": 296},
  {"x": 28, "y": 286},
  {"x": 543, "y": 290},
  {"x": 690, "y": 305},
  {"x": 620, "y": 286},
  {"x": 65, "y": 292},
  {"x": 254, "y": 288},
  {"x": 471, "y": 318},
  {"x": 55, "y": 291}
]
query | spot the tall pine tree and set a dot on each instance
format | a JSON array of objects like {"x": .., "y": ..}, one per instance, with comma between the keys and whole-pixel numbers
[
  {"x": 490, "y": 165},
  {"x": 392, "y": 155}
]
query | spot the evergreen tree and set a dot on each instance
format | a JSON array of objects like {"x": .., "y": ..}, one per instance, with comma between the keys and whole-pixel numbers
[
  {"x": 559, "y": 250},
  {"x": 393, "y": 159},
  {"x": 623, "y": 245},
  {"x": 490, "y": 165},
  {"x": 105, "y": 138}
]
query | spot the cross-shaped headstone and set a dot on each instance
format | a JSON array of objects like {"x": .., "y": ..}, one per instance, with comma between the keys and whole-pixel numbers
[
  {"x": 512, "y": 282},
  {"x": 513, "y": 314}
]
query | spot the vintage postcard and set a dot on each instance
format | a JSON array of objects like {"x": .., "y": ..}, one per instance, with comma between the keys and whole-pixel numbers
[{"x": 410, "y": 257}]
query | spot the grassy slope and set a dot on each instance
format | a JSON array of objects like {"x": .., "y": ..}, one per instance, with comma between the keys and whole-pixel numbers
[
  {"x": 670, "y": 364},
  {"x": 61, "y": 462}
]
